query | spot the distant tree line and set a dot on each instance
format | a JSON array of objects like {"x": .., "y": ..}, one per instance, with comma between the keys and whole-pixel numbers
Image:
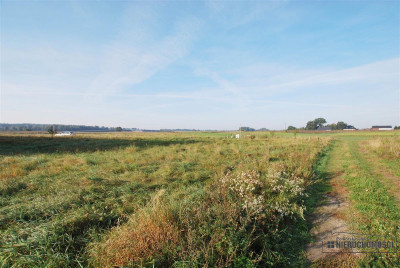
[
  {"x": 56, "y": 127},
  {"x": 338, "y": 126},
  {"x": 178, "y": 129},
  {"x": 246, "y": 129},
  {"x": 252, "y": 129},
  {"x": 321, "y": 122}
]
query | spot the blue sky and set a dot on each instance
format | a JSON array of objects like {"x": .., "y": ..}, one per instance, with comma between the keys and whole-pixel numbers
[{"x": 200, "y": 64}]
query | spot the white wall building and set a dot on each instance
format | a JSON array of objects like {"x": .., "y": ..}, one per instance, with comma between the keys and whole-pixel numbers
[{"x": 382, "y": 128}]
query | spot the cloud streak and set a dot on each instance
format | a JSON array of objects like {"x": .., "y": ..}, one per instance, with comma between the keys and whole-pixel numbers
[
  {"x": 377, "y": 72},
  {"x": 165, "y": 96},
  {"x": 243, "y": 92},
  {"x": 126, "y": 63},
  {"x": 135, "y": 62}
]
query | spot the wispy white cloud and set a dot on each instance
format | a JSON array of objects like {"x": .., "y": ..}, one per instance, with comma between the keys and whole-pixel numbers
[
  {"x": 133, "y": 57},
  {"x": 129, "y": 60},
  {"x": 225, "y": 88},
  {"x": 242, "y": 68},
  {"x": 377, "y": 72},
  {"x": 256, "y": 84},
  {"x": 190, "y": 96},
  {"x": 265, "y": 80}
]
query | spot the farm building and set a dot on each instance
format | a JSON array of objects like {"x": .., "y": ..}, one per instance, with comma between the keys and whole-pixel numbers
[
  {"x": 349, "y": 128},
  {"x": 382, "y": 128},
  {"x": 324, "y": 129},
  {"x": 66, "y": 133}
]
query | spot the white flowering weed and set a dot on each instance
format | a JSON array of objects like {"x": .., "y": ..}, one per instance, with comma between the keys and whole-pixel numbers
[
  {"x": 246, "y": 187},
  {"x": 289, "y": 191}
]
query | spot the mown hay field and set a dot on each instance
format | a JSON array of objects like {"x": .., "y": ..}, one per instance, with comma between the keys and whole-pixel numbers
[{"x": 162, "y": 199}]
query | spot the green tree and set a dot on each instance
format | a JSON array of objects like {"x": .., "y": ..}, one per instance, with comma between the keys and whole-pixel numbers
[
  {"x": 341, "y": 125},
  {"x": 118, "y": 129},
  {"x": 291, "y": 128},
  {"x": 314, "y": 124},
  {"x": 52, "y": 130},
  {"x": 333, "y": 126},
  {"x": 320, "y": 122},
  {"x": 311, "y": 125}
]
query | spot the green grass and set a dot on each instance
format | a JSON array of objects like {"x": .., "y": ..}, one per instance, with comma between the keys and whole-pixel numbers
[
  {"x": 386, "y": 150},
  {"x": 81, "y": 201},
  {"x": 60, "y": 196},
  {"x": 375, "y": 210}
]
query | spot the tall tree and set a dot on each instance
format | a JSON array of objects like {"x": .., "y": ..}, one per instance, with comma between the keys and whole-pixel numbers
[
  {"x": 311, "y": 125},
  {"x": 52, "y": 130},
  {"x": 333, "y": 126},
  {"x": 320, "y": 122},
  {"x": 341, "y": 125}
]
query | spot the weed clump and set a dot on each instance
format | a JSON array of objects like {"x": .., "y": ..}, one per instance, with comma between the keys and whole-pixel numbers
[{"x": 239, "y": 220}]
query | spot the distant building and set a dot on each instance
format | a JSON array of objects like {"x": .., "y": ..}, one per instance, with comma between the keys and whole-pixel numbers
[
  {"x": 382, "y": 128},
  {"x": 65, "y": 133},
  {"x": 324, "y": 129},
  {"x": 349, "y": 128}
]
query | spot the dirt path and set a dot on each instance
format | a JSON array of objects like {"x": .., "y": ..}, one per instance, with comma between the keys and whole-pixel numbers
[
  {"x": 330, "y": 216},
  {"x": 371, "y": 202}
]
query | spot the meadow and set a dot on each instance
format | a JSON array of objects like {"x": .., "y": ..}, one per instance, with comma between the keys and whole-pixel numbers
[{"x": 179, "y": 199}]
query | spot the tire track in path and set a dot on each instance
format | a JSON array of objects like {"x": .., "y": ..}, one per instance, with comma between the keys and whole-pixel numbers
[
  {"x": 330, "y": 216},
  {"x": 382, "y": 172}
]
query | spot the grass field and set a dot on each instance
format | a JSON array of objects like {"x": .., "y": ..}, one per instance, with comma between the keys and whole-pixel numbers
[
  {"x": 185, "y": 199},
  {"x": 369, "y": 165}
]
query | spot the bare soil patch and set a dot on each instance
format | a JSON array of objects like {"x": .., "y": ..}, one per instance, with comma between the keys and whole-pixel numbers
[{"x": 329, "y": 218}]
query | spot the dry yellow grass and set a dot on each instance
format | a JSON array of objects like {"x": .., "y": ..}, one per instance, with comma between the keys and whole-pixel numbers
[
  {"x": 388, "y": 147},
  {"x": 149, "y": 232}
]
